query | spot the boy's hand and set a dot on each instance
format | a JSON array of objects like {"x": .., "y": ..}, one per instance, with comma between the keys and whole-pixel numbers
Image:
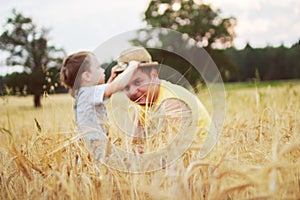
[
  {"x": 115, "y": 71},
  {"x": 116, "y": 82},
  {"x": 133, "y": 64}
]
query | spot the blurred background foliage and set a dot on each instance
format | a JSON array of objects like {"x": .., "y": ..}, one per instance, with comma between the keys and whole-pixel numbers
[{"x": 202, "y": 26}]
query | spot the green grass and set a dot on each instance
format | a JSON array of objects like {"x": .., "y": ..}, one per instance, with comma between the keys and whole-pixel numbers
[{"x": 260, "y": 84}]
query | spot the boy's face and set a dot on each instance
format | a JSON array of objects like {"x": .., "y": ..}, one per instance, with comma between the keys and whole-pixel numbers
[
  {"x": 142, "y": 88},
  {"x": 96, "y": 72}
]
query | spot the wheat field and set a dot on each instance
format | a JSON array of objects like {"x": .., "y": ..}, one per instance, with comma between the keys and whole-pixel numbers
[{"x": 257, "y": 155}]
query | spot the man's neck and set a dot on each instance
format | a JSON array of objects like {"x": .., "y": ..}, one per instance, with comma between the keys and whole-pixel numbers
[{"x": 155, "y": 86}]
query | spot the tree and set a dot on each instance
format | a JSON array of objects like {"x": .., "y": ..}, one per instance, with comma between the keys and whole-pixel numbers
[
  {"x": 17, "y": 83},
  {"x": 196, "y": 20},
  {"x": 28, "y": 46},
  {"x": 199, "y": 21},
  {"x": 293, "y": 60},
  {"x": 268, "y": 63}
]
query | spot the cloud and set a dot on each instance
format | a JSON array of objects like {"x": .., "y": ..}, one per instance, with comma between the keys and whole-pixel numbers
[
  {"x": 77, "y": 25},
  {"x": 83, "y": 25},
  {"x": 262, "y": 22}
]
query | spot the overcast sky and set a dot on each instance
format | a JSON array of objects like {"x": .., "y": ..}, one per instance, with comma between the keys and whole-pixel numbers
[{"x": 85, "y": 24}]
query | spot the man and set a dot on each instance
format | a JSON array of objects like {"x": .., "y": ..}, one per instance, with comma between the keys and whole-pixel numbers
[{"x": 161, "y": 107}]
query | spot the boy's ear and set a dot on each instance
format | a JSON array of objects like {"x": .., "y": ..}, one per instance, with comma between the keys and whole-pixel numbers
[{"x": 85, "y": 76}]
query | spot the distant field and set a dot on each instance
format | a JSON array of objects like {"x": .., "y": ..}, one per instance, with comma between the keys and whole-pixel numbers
[
  {"x": 257, "y": 155},
  {"x": 260, "y": 84}
]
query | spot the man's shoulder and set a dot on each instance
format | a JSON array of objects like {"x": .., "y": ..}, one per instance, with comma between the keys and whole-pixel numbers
[
  {"x": 177, "y": 90},
  {"x": 172, "y": 85},
  {"x": 180, "y": 93}
]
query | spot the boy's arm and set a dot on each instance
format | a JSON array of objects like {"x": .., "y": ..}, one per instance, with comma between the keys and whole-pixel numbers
[
  {"x": 115, "y": 71},
  {"x": 122, "y": 80}
]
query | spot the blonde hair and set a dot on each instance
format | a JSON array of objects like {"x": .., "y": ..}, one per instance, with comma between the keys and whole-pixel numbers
[{"x": 74, "y": 65}]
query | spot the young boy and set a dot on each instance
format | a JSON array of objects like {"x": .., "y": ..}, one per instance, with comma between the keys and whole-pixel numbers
[{"x": 82, "y": 74}]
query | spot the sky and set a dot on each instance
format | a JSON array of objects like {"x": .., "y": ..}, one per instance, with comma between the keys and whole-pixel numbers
[{"x": 84, "y": 25}]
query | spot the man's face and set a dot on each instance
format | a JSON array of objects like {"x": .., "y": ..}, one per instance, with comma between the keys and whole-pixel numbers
[{"x": 142, "y": 88}]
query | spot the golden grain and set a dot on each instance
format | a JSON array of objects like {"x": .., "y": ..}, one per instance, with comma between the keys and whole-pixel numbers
[{"x": 257, "y": 155}]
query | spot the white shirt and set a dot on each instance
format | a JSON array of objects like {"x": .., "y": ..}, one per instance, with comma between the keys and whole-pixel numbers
[{"x": 90, "y": 112}]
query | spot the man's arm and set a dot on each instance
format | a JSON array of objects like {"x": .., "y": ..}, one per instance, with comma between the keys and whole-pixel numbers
[
  {"x": 176, "y": 115},
  {"x": 170, "y": 118},
  {"x": 121, "y": 81}
]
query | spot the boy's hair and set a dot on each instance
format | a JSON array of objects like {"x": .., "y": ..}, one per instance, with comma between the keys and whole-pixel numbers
[{"x": 73, "y": 66}]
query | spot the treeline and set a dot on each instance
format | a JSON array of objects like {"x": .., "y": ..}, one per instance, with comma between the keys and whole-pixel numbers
[
  {"x": 22, "y": 84},
  {"x": 265, "y": 64}
]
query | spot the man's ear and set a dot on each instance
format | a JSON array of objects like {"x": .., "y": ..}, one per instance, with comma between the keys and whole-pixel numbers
[
  {"x": 154, "y": 73},
  {"x": 85, "y": 76}
]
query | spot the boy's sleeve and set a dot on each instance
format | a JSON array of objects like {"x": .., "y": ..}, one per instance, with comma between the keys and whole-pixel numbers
[{"x": 98, "y": 94}]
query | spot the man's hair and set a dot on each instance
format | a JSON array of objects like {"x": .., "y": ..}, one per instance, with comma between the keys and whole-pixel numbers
[
  {"x": 147, "y": 70},
  {"x": 74, "y": 65}
]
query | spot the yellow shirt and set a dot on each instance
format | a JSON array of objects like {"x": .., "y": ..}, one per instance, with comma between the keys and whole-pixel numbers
[{"x": 177, "y": 103}]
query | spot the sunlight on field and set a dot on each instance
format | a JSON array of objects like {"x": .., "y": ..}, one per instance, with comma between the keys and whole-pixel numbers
[
  {"x": 18, "y": 112},
  {"x": 257, "y": 155}
]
